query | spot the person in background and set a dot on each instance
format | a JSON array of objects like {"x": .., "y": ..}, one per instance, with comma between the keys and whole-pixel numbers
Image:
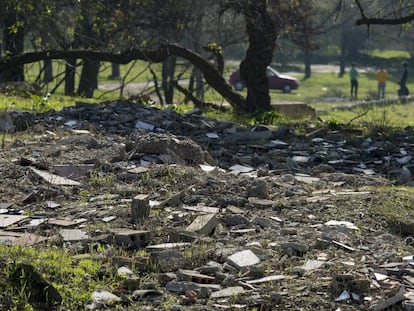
[
  {"x": 403, "y": 91},
  {"x": 353, "y": 75},
  {"x": 381, "y": 76}
]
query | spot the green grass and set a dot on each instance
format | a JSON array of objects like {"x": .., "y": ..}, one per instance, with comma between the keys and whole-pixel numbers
[
  {"x": 313, "y": 91},
  {"x": 74, "y": 279},
  {"x": 387, "y": 54}
]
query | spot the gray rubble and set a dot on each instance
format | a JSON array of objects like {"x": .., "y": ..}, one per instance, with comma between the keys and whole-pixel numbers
[{"x": 247, "y": 217}]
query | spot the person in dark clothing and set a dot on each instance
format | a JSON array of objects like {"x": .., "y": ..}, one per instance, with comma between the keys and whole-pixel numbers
[
  {"x": 403, "y": 91},
  {"x": 353, "y": 75}
]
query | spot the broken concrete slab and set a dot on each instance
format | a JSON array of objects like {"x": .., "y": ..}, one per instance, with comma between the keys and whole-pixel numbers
[
  {"x": 202, "y": 209},
  {"x": 101, "y": 296},
  {"x": 74, "y": 171},
  {"x": 164, "y": 246},
  {"x": 310, "y": 265},
  {"x": 261, "y": 203},
  {"x": 203, "y": 224},
  {"x": 130, "y": 238},
  {"x": 55, "y": 179},
  {"x": 7, "y": 220},
  {"x": 228, "y": 292},
  {"x": 21, "y": 239},
  {"x": 73, "y": 235},
  {"x": 243, "y": 259}
]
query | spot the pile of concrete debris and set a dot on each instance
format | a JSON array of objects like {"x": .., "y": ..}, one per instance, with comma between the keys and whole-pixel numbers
[{"x": 229, "y": 217}]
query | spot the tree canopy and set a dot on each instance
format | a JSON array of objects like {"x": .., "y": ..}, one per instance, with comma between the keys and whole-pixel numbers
[{"x": 120, "y": 31}]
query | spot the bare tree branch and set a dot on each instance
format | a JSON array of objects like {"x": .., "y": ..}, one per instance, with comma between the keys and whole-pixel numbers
[
  {"x": 381, "y": 21},
  {"x": 211, "y": 74}
]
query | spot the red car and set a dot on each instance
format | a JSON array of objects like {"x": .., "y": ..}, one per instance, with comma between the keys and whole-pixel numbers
[{"x": 277, "y": 81}]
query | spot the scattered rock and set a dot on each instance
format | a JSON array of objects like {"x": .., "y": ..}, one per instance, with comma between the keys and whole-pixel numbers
[{"x": 210, "y": 210}]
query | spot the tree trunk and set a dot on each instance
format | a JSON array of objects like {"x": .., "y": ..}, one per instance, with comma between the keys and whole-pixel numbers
[
  {"x": 48, "y": 71},
  {"x": 342, "y": 53},
  {"x": 168, "y": 71},
  {"x": 308, "y": 71},
  {"x": 13, "y": 45},
  {"x": 115, "y": 74},
  {"x": 199, "y": 85},
  {"x": 89, "y": 78},
  {"x": 262, "y": 35},
  {"x": 70, "y": 71}
]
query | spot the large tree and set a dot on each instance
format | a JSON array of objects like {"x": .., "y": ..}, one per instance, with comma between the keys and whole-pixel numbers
[{"x": 131, "y": 23}]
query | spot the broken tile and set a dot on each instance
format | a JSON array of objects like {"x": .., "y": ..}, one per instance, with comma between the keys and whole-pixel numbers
[
  {"x": 243, "y": 259},
  {"x": 55, "y": 179},
  {"x": 241, "y": 168},
  {"x": 228, "y": 292},
  {"x": 8, "y": 220},
  {"x": 202, "y": 209},
  {"x": 164, "y": 246},
  {"x": 312, "y": 265},
  {"x": 270, "y": 278},
  {"x": 344, "y": 296},
  {"x": 52, "y": 205},
  {"x": 73, "y": 235}
]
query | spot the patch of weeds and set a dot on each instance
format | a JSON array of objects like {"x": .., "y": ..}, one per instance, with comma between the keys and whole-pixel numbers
[
  {"x": 380, "y": 125},
  {"x": 395, "y": 208},
  {"x": 196, "y": 256},
  {"x": 267, "y": 118},
  {"x": 334, "y": 125},
  {"x": 101, "y": 180},
  {"x": 74, "y": 280}
]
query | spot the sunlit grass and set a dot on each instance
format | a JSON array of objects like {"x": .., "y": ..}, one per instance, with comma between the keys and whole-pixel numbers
[
  {"x": 387, "y": 54},
  {"x": 323, "y": 91}
]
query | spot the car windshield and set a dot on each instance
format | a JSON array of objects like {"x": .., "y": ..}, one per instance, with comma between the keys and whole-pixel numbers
[{"x": 271, "y": 72}]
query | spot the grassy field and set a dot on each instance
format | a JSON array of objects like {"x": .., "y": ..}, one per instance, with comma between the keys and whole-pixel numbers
[{"x": 323, "y": 91}]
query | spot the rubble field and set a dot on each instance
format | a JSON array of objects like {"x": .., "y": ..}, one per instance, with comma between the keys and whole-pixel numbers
[{"x": 190, "y": 213}]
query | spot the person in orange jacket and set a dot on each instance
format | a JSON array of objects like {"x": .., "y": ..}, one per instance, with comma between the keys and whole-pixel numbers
[{"x": 381, "y": 76}]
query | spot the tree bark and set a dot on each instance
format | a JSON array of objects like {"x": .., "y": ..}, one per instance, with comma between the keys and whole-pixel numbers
[
  {"x": 262, "y": 35},
  {"x": 308, "y": 71},
  {"x": 115, "y": 71},
  {"x": 48, "y": 71},
  {"x": 342, "y": 53},
  {"x": 168, "y": 70},
  {"x": 89, "y": 78},
  {"x": 70, "y": 71},
  {"x": 13, "y": 45}
]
